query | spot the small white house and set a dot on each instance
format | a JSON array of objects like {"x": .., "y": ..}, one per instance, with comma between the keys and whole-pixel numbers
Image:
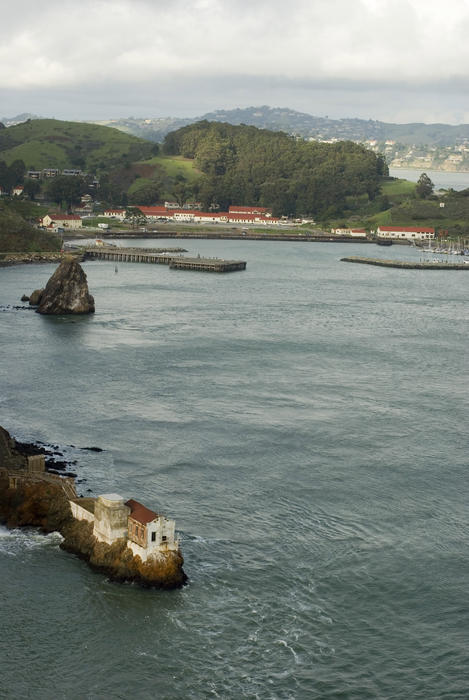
[{"x": 149, "y": 534}]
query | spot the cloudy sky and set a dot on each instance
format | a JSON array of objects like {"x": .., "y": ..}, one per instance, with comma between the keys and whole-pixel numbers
[{"x": 394, "y": 60}]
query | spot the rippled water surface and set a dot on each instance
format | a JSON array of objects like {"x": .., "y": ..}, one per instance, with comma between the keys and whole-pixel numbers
[{"x": 305, "y": 422}]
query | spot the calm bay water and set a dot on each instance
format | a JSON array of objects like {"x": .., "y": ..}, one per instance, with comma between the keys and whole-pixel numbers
[
  {"x": 441, "y": 179},
  {"x": 305, "y": 422}
]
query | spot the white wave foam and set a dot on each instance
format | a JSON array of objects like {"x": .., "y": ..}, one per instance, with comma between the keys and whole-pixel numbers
[
  {"x": 15, "y": 541},
  {"x": 287, "y": 646}
]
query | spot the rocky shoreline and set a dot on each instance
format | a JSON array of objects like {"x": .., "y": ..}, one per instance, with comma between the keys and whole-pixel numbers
[
  {"x": 31, "y": 497},
  {"x": 8, "y": 259}
]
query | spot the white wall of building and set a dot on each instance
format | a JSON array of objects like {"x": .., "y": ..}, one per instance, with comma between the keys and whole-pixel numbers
[
  {"x": 159, "y": 538},
  {"x": 81, "y": 513},
  {"x": 110, "y": 518}
]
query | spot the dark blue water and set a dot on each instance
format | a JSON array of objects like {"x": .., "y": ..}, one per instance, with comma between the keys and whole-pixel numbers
[{"x": 305, "y": 422}]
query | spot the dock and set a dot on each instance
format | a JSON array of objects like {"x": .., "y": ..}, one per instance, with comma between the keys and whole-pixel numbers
[
  {"x": 159, "y": 256},
  {"x": 407, "y": 264},
  {"x": 207, "y": 264}
]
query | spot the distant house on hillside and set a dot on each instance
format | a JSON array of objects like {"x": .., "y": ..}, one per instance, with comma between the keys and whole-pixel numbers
[{"x": 17, "y": 191}]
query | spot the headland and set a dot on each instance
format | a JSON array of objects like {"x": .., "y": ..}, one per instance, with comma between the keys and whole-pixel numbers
[{"x": 120, "y": 538}]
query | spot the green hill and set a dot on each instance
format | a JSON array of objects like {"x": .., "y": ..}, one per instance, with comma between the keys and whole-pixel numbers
[
  {"x": 245, "y": 165},
  {"x": 17, "y": 235},
  {"x": 49, "y": 143}
]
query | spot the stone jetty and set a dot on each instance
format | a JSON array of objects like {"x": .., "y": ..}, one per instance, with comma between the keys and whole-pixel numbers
[{"x": 407, "y": 264}]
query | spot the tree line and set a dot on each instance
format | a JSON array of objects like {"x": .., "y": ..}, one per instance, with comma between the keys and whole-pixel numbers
[{"x": 246, "y": 165}]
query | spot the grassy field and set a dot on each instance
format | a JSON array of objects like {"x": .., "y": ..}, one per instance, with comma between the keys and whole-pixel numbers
[
  {"x": 176, "y": 165},
  {"x": 392, "y": 188}
]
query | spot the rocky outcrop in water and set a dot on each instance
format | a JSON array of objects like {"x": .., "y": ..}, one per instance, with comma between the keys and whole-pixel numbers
[
  {"x": 29, "y": 498},
  {"x": 35, "y": 297},
  {"x": 66, "y": 292}
]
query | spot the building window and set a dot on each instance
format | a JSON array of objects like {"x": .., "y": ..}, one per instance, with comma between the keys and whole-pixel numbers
[
  {"x": 164, "y": 538},
  {"x": 153, "y": 536}
]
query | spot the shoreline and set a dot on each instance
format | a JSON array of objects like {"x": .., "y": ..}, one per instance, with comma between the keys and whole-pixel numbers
[{"x": 10, "y": 259}]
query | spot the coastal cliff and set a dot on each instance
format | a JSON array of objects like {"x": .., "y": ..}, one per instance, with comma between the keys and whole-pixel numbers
[{"x": 33, "y": 497}]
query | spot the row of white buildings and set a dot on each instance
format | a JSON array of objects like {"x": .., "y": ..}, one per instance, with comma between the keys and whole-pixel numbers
[
  {"x": 406, "y": 233},
  {"x": 240, "y": 215},
  {"x": 234, "y": 215}
]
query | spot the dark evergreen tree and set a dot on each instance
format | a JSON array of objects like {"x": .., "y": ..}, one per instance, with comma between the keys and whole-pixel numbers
[{"x": 424, "y": 186}]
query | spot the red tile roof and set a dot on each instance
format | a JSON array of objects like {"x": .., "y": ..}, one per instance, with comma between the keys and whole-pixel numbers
[
  {"x": 63, "y": 217},
  {"x": 140, "y": 513},
  {"x": 154, "y": 211},
  {"x": 235, "y": 209}
]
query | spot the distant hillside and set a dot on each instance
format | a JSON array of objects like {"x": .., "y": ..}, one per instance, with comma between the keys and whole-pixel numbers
[
  {"x": 150, "y": 129},
  {"x": 49, "y": 143},
  {"x": 306, "y": 125},
  {"x": 19, "y": 119}
]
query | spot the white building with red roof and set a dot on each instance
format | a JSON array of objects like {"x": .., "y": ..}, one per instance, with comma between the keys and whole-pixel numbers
[
  {"x": 409, "y": 233},
  {"x": 55, "y": 221},
  {"x": 148, "y": 534}
]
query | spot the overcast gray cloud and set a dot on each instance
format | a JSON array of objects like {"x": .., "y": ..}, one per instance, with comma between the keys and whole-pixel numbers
[{"x": 137, "y": 56}]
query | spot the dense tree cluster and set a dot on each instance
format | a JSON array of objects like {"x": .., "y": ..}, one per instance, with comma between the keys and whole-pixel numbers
[
  {"x": 11, "y": 175},
  {"x": 246, "y": 165},
  {"x": 67, "y": 190}
]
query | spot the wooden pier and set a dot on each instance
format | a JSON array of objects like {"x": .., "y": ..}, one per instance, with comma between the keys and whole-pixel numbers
[
  {"x": 206, "y": 264},
  {"x": 408, "y": 264},
  {"x": 159, "y": 256}
]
